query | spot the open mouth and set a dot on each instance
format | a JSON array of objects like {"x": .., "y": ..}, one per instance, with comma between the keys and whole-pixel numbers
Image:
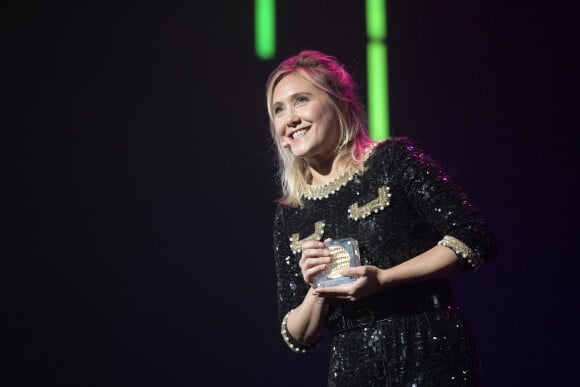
[{"x": 299, "y": 133}]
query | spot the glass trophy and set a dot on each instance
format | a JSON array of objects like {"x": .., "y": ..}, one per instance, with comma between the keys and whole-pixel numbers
[{"x": 344, "y": 253}]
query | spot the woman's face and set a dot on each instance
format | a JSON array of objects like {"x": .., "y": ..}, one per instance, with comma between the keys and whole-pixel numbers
[{"x": 304, "y": 119}]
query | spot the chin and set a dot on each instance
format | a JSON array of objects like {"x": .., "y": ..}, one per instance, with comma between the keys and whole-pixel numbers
[{"x": 299, "y": 153}]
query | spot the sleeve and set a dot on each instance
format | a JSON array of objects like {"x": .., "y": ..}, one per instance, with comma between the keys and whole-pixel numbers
[
  {"x": 443, "y": 204},
  {"x": 290, "y": 285}
]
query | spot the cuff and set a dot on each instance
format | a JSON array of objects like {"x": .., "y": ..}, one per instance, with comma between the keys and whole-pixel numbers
[
  {"x": 294, "y": 344},
  {"x": 469, "y": 258}
]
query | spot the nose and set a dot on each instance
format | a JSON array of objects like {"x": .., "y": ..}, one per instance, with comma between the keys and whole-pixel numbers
[{"x": 292, "y": 120}]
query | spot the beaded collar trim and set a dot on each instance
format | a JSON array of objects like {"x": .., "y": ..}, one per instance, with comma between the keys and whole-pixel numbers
[{"x": 318, "y": 192}]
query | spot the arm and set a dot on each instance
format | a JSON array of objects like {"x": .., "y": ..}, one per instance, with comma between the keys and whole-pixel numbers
[
  {"x": 435, "y": 263},
  {"x": 466, "y": 241},
  {"x": 306, "y": 322},
  {"x": 443, "y": 204},
  {"x": 302, "y": 314}
]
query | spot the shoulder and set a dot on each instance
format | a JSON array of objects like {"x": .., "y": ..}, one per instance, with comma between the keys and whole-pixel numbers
[
  {"x": 279, "y": 218},
  {"x": 404, "y": 159},
  {"x": 396, "y": 149}
]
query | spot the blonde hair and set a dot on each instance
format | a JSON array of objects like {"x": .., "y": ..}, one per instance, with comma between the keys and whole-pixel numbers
[{"x": 328, "y": 74}]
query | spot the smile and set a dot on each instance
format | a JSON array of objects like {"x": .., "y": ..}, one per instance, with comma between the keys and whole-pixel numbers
[{"x": 298, "y": 133}]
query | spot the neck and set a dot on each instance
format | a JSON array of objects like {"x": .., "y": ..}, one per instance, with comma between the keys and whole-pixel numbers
[{"x": 323, "y": 172}]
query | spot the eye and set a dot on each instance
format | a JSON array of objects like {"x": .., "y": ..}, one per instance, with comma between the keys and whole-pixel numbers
[
  {"x": 278, "y": 109},
  {"x": 301, "y": 99}
]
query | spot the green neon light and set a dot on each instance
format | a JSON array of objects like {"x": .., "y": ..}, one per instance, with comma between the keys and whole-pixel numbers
[
  {"x": 376, "y": 14},
  {"x": 265, "y": 28},
  {"x": 377, "y": 87},
  {"x": 377, "y": 69}
]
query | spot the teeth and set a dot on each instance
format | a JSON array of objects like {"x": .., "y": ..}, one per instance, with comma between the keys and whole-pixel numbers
[{"x": 299, "y": 133}]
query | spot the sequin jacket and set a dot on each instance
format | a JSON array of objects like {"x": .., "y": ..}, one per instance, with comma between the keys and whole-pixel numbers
[{"x": 424, "y": 206}]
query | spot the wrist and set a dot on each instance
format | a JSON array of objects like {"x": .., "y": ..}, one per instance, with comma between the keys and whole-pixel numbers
[
  {"x": 318, "y": 302},
  {"x": 386, "y": 279},
  {"x": 298, "y": 346}
]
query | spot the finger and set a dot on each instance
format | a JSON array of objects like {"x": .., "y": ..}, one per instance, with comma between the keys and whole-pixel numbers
[
  {"x": 339, "y": 291},
  {"x": 308, "y": 263},
  {"x": 310, "y": 254},
  {"x": 315, "y": 253},
  {"x": 336, "y": 295},
  {"x": 339, "y": 295},
  {"x": 352, "y": 272},
  {"x": 312, "y": 245},
  {"x": 313, "y": 271},
  {"x": 318, "y": 261}
]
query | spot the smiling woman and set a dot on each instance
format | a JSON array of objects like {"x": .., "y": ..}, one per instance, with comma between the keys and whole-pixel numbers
[
  {"x": 396, "y": 322},
  {"x": 305, "y": 93}
]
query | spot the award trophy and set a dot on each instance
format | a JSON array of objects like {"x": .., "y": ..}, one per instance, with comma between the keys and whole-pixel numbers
[{"x": 344, "y": 253}]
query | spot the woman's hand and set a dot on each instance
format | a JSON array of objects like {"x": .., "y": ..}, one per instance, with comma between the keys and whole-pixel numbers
[
  {"x": 315, "y": 259},
  {"x": 370, "y": 280}
]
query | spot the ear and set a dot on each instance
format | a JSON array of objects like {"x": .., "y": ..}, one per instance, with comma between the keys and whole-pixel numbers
[{"x": 285, "y": 145}]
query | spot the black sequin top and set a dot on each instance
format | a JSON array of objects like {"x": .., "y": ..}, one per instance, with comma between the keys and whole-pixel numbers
[{"x": 424, "y": 206}]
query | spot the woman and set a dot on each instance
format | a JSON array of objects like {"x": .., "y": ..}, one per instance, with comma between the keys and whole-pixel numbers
[{"x": 396, "y": 324}]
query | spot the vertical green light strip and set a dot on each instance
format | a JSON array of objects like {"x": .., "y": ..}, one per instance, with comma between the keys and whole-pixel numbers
[
  {"x": 378, "y": 85},
  {"x": 376, "y": 15},
  {"x": 265, "y": 28},
  {"x": 377, "y": 69}
]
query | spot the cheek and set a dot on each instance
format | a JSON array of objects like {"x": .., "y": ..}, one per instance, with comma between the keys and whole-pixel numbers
[
  {"x": 319, "y": 112},
  {"x": 279, "y": 128},
  {"x": 310, "y": 113},
  {"x": 327, "y": 119}
]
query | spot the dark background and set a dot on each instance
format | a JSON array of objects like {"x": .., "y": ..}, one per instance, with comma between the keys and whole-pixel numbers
[{"x": 138, "y": 178}]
